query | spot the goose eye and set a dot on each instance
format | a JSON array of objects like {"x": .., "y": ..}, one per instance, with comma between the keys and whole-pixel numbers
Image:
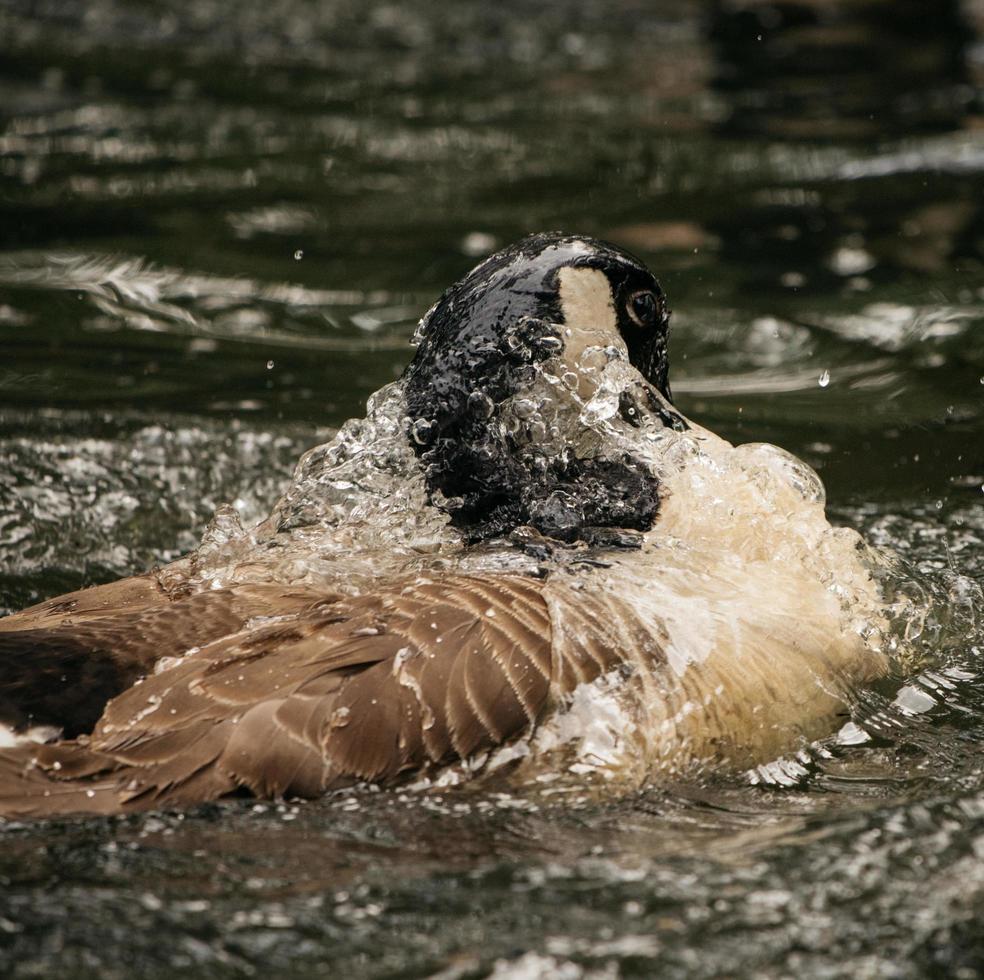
[{"x": 644, "y": 308}]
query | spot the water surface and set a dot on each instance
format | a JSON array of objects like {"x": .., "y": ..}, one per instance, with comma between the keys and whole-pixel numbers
[{"x": 217, "y": 230}]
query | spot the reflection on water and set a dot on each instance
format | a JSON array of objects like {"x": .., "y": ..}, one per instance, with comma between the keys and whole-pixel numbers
[
  {"x": 216, "y": 234},
  {"x": 842, "y": 69}
]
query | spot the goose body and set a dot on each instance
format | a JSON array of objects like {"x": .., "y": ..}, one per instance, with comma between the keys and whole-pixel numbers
[{"x": 523, "y": 560}]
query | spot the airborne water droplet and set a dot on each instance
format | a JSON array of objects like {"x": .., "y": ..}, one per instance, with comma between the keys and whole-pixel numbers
[
  {"x": 524, "y": 408},
  {"x": 824, "y": 379},
  {"x": 298, "y": 255},
  {"x": 420, "y": 431},
  {"x": 480, "y": 404},
  {"x": 269, "y": 365}
]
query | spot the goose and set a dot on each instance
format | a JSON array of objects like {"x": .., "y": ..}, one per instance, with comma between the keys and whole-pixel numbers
[{"x": 523, "y": 563}]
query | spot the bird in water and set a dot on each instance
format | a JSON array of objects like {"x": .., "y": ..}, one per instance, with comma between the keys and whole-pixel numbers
[{"x": 524, "y": 562}]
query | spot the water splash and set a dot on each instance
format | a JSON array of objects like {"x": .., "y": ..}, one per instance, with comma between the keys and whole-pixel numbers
[{"x": 743, "y": 579}]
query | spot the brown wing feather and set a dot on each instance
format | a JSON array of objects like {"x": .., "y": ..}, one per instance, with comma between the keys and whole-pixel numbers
[
  {"x": 29, "y": 788},
  {"x": 418, "y": 673},
  {"x": 140, "y": 592},
  {"x": 80, "y": 651},
  {"x": 292, "y": 766}
]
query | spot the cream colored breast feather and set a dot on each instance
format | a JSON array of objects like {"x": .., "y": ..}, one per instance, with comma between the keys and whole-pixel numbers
[{"x": 366, "y": 633}]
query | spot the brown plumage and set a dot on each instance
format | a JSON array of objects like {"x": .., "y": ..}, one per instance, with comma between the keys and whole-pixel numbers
[
  {"x": 331, "y": 691},
  {"x": 62, "y": 660}
]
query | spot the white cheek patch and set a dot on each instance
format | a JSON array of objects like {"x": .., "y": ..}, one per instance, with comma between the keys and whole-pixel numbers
[{"x": 589, "y": 313}]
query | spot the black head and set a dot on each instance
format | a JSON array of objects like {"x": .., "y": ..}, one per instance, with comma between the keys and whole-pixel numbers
[{"x": 547, "y": 296}]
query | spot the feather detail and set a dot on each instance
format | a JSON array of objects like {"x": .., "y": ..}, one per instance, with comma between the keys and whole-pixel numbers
[{"x": 416, "y": 674}]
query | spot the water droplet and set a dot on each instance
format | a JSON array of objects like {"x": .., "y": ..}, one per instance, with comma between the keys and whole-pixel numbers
[
  {"x": 421, "y": 430},
  {"x": 524, "y": 408},
  {"x": 480, "y": 404},
  {"x": 824, "y": 379},
  {"x": 939, "y": 505},
  {"x": 298, "y": 255},
  {"x": 982, "y": 379},
  {"x": 269, "y": 365},
  {"x": 477, "y": 243}
]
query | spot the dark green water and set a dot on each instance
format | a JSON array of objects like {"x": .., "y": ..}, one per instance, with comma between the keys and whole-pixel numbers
[{"x": 218, "y": 225}]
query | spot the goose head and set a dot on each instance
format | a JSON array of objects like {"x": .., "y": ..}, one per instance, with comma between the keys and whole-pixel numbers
[{"x": 548, "y": 303}]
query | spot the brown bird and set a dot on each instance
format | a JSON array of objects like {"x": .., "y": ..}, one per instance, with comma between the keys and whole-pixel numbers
[{"x": 524, "y": 560}]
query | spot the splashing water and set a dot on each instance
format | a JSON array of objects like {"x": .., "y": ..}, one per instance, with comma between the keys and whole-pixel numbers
[{"x": 769, "y": 617}]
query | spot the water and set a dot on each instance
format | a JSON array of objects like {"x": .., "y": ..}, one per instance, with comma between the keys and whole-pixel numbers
[{"x": 216, "y": 236}]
